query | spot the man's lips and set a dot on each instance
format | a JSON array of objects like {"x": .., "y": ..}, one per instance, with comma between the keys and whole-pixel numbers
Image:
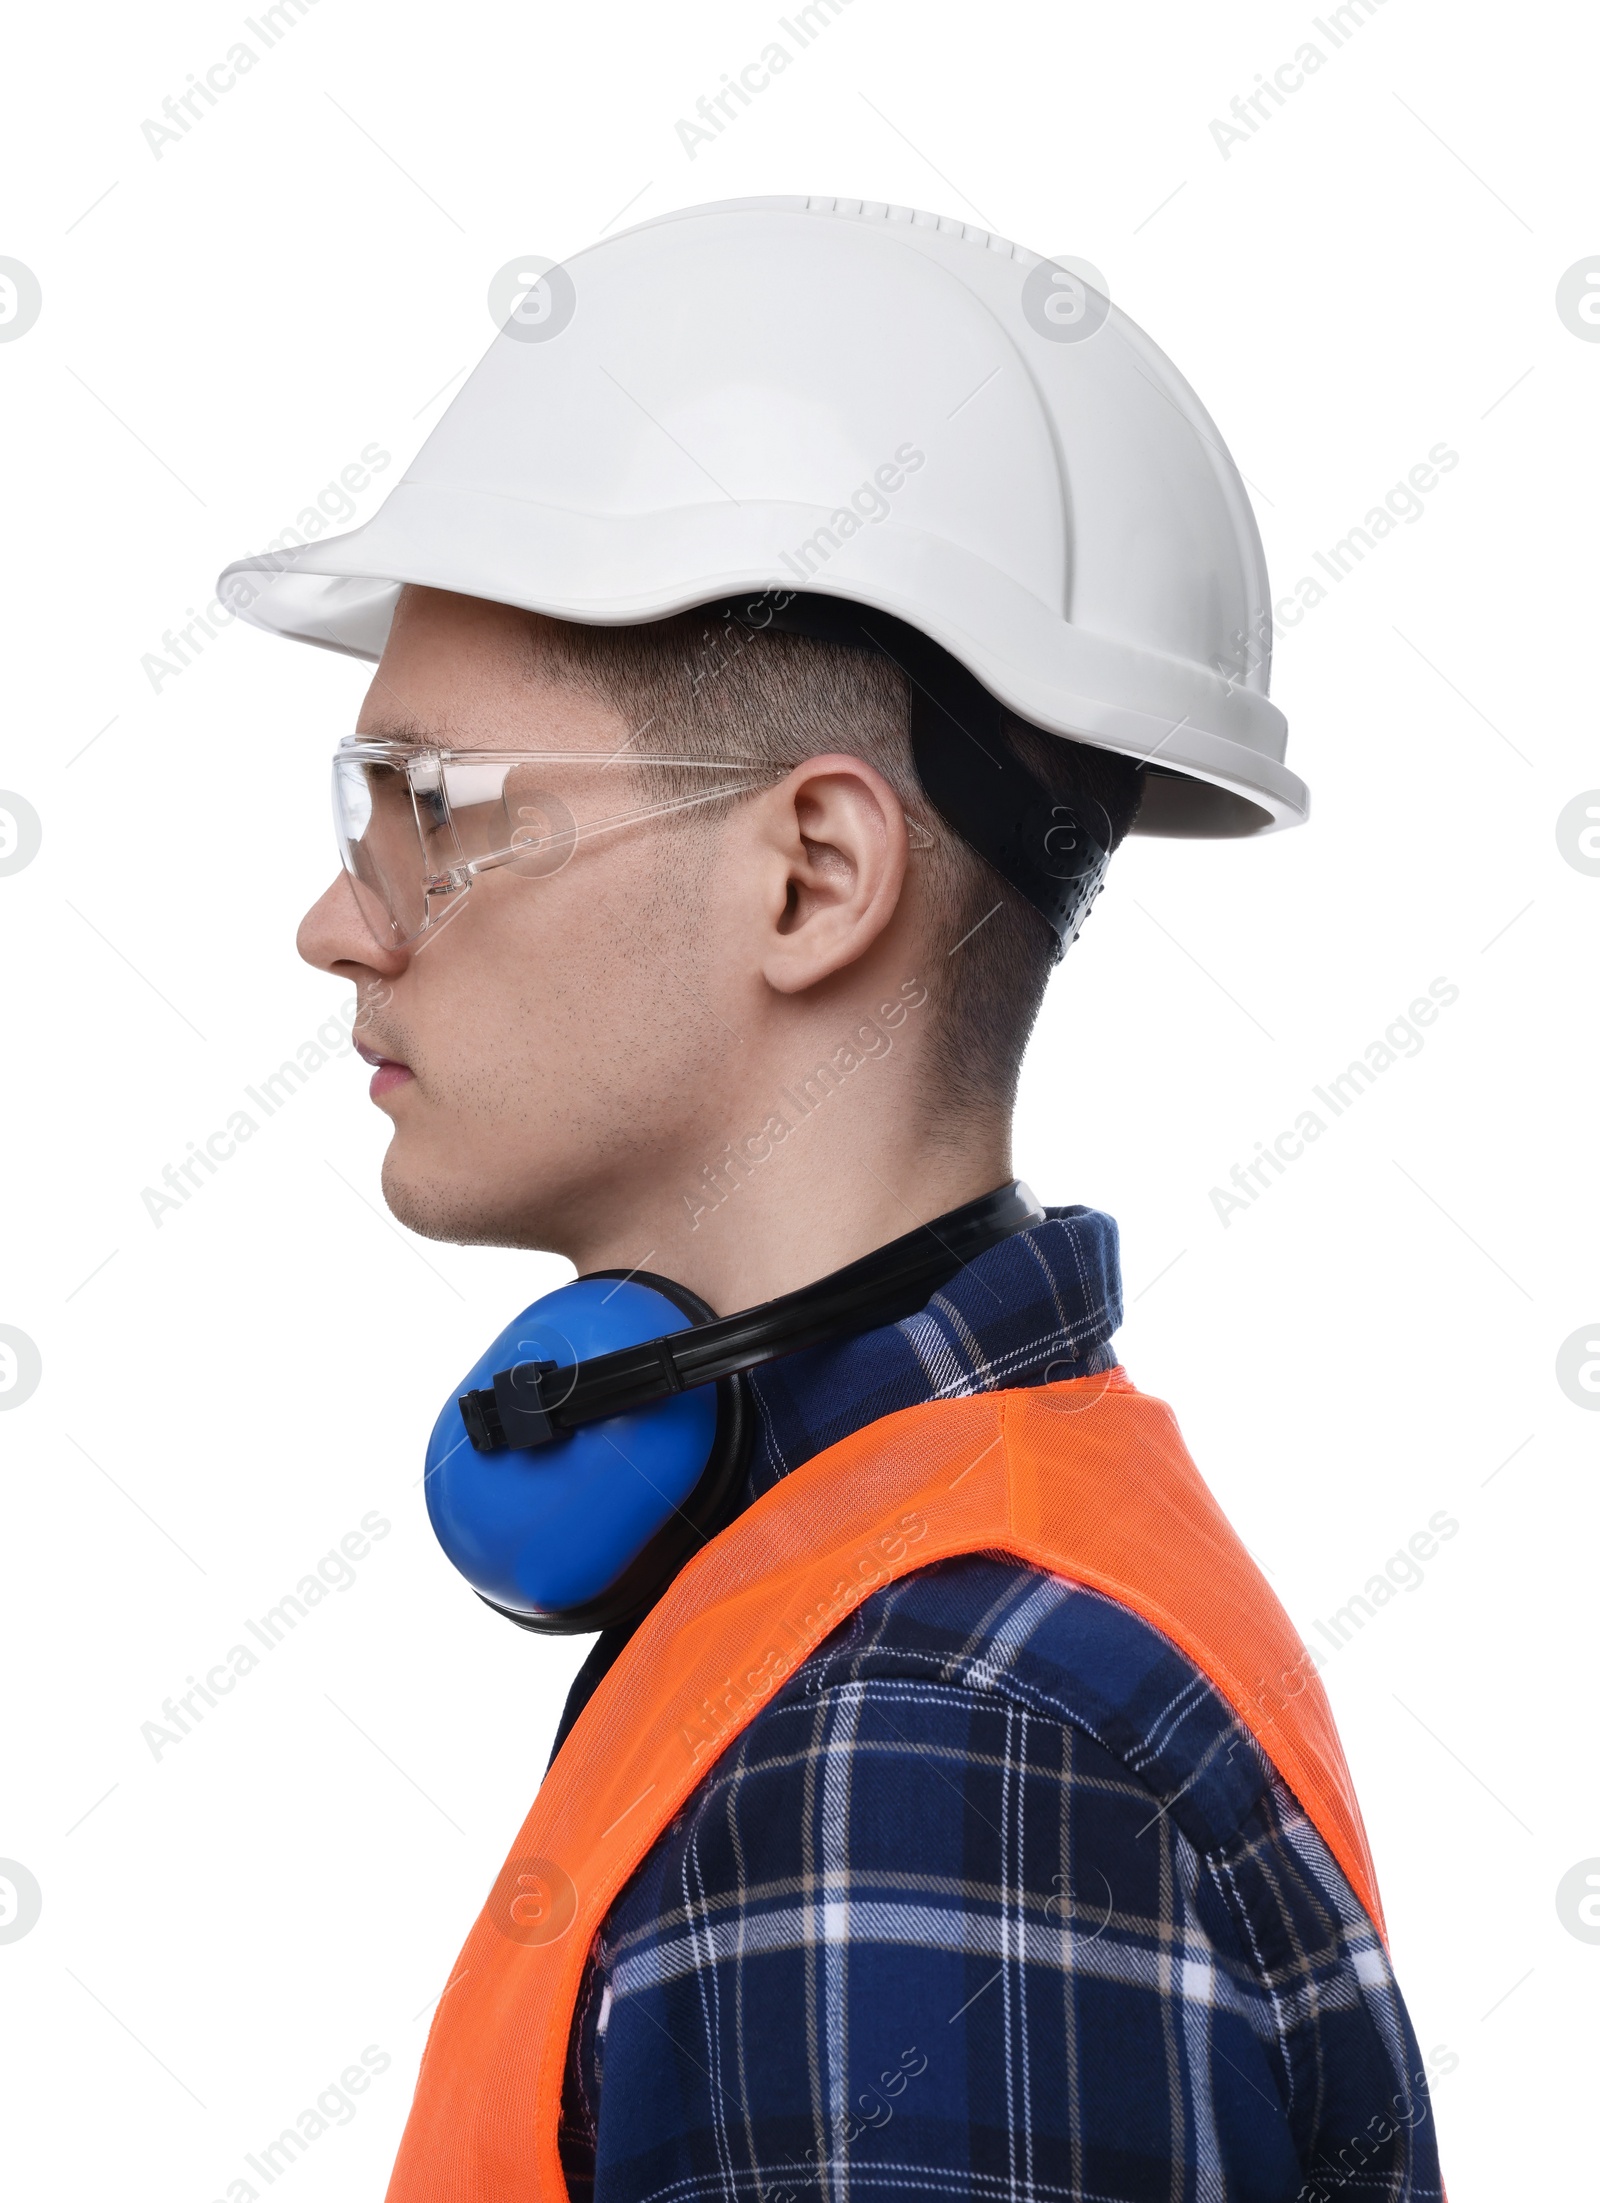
[{"x": 387, "y": 1072}]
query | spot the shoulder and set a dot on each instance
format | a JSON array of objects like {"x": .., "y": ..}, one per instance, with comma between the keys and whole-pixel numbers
[
  {"x": 980, "y": 1725},
  {"x": 952, "y": 1701},
  {"x": 992, "y": 1632},
  {"x": 990, "y": 1793}
]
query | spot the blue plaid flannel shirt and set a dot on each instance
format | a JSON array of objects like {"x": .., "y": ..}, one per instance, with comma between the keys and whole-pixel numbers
[{"x": 996, "y": 1898}]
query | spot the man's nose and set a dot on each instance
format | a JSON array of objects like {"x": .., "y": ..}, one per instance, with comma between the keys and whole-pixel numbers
[{"x": 334, "y": 936}]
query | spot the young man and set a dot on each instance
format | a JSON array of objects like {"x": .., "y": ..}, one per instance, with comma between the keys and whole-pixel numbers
[{"x": 772, "y": 648}]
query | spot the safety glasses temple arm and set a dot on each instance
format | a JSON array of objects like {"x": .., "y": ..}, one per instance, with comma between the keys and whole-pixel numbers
[{"x": 461, "y": 874}]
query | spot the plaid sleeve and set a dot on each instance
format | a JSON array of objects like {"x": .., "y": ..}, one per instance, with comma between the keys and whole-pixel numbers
[{"x": 996, "y": 1898}]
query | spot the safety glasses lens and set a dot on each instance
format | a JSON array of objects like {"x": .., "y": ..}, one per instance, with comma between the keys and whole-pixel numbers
[
  {"x": 416, "y": 827},
  {"x": 381, "y": 847}
]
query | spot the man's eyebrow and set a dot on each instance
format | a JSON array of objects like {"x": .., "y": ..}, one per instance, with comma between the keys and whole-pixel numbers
[{"x": 407, "y": 734}]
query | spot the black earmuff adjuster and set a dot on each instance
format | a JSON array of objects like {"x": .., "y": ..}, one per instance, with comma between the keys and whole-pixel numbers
[{"x": 531, "y": 1405}]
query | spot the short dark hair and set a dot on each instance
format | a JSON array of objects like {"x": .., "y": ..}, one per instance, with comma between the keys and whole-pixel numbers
[{"x": 693, "y": 687}]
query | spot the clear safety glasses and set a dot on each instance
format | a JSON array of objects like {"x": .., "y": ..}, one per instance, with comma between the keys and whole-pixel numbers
[{"x": 417, "y": 827}]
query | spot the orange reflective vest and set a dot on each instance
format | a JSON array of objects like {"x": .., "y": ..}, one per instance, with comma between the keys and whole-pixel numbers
[{"x": 1088, "y": 1480}]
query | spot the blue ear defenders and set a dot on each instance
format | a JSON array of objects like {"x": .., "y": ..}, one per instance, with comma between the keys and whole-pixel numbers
[{"x": 603, "y": 1438}]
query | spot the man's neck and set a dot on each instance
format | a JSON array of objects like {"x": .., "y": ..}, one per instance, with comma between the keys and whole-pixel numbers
[{"x": 741, "y": 1230}]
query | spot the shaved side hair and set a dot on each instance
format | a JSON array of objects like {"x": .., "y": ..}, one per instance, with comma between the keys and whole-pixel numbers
[{"x": 691, "y": 687}]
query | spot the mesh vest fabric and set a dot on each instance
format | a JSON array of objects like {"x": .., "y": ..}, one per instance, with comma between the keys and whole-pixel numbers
[{"x": 1088, "y": 1480}]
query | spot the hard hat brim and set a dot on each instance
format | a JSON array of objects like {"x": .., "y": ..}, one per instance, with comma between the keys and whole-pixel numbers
[{"x": 1217, "y": 745}]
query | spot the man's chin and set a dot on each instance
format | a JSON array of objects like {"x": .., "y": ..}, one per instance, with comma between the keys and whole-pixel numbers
[{"x": 459, "y": 1211}]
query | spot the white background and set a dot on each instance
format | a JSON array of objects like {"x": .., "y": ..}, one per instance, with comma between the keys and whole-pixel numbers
[{"x": 304, "y": 274}]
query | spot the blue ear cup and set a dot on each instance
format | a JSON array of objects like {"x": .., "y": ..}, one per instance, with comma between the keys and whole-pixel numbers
[
  {"x": 580, "y": 1533},
  {"x": 602, "y": 1439}
]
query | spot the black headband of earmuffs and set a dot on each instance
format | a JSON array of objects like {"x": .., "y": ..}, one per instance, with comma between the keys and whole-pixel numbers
[
  {"x": 1053, "y": 851},
  {"x": 534, "y": 1402}
]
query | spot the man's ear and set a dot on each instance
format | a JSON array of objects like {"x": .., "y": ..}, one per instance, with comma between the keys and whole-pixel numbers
[{"x": 831, "y": 856}]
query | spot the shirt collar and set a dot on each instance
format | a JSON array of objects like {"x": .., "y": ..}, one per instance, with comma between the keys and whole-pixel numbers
[
  {"x": 1041, "y": 1305},
  {"x": 1037, "y": 1306}
]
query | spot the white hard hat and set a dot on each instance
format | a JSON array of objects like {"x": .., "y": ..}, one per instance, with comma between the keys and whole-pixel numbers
[{"x": 863, "y": 402}]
